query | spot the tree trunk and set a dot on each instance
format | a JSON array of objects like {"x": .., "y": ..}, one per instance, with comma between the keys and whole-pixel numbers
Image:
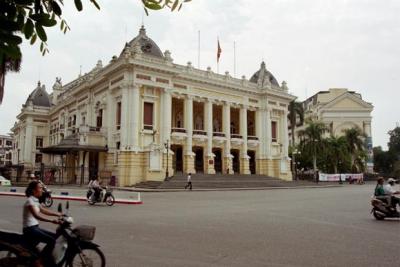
[{"x": 315, "y": 167}]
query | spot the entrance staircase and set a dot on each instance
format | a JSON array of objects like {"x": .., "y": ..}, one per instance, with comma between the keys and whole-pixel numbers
[{"x": 219, "y": 181}]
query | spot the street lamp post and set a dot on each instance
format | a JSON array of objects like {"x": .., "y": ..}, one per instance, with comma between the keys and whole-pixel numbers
[{"x": 166, "y": 145}]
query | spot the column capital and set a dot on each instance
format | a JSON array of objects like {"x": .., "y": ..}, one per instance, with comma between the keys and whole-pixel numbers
[{"x": 167, "y": 90}]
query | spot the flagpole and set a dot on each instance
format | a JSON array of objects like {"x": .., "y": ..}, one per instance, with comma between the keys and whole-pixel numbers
[
  {"x": 234, "y": 59},
  {"x": 198, "y": 52},
  {"x": 217, "y": 55}
]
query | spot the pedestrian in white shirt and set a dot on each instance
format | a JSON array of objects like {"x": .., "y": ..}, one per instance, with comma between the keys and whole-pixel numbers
[{"x": 189, "y": 181}]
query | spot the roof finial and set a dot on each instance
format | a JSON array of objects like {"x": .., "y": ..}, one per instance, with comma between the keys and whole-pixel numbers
[
  {"x": 38, "y": 83},
  {"x": 142, "y": 30}
]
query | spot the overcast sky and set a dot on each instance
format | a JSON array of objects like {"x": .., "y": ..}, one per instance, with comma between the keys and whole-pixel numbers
[{"x": 314, "y": 45}]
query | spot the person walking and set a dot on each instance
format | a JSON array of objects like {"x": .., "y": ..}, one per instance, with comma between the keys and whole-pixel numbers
[{"x": 189, "y": 181}]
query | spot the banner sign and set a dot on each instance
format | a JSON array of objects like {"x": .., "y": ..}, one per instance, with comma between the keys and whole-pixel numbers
[{"x": 324, "y": 177}]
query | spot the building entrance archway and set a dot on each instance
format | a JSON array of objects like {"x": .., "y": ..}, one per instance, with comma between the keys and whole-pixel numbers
[
  {"x": 199, "y": 159},
  {"x": 252, "y": 161},
  {"x": 217, "y": 160},
  {"x": 235, "y": 160},
  {"x": 177, "y": 161}
]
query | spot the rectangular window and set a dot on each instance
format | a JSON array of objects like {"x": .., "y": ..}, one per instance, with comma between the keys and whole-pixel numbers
[
  {"x": 1, "y": 142},
  {"x": 99, "y": 122},
  {"x": 118, "y": 115},
  {"x": 148, "y": 116},
  {"x": 273, "y": 131},
  {"x": 39, "y": 142},
  {"x": 38, "y": 158},
  {"x": 74, "y": 120}
]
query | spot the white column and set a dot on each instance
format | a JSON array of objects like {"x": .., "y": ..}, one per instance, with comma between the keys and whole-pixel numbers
[
  {"x": 285, "y": 135},
  {"x": 110, "y": 116},
  {"x": 267, "y": 131},
  {"x": 208, "y": 125},
  {"x": 135, "y": 105},
  {"x": 226, "y": 114},
  {"x": 124, "y": 118},
  {"x": 367, "y": 128},
  {"x": 189, "y": 124},
  {"x": 243, "y": 129},
  {"x": 29, "y": 139},
  {"x": 260, "y": 133},
  {"x": 166, "y": 115}
]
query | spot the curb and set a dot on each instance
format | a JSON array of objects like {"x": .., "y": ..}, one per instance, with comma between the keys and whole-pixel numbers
[
  {"x": 149, "y": 190},
  {"x": 58, "y": 197}
]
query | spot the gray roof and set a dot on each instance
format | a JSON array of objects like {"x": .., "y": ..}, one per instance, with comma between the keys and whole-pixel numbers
[
  {"x": 147, "y": 45},
  {"x": 39, "y": 97},
  {"x": 271, "y": 78}
]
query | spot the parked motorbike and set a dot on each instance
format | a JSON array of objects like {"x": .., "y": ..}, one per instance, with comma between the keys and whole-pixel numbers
[
  {"x": 382, "y": 210},
  {"x": 46, "y": 198},
  {"x": 105, "y": 196},
  {"x": 74, "y": 247}
]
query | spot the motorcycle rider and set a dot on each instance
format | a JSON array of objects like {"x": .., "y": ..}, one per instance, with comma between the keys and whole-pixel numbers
[
  {"x": 391, "y": 191},
  {"x": 95, "y": 186},
  {"x": 33, "y": 213}
]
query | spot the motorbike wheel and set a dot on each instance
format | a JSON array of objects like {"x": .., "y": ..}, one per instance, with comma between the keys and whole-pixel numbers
[
  {"x": 93, "y": 257},
  {"x": 110, "y": 200},
  {"x": 378, "y": 216},
  {"x": 8, "y": 258},
  {"x": 48, "y": 201},
  {"x": 90, "y": 201}
]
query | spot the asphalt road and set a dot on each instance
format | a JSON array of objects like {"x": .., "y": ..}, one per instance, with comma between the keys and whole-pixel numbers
[{"x": 285, "y": 227}]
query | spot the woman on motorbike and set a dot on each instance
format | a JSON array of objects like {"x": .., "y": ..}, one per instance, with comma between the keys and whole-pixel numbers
[{"x": 33, "y": 212}]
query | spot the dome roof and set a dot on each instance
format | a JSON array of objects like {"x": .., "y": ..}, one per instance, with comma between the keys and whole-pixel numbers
[
  {"x": 263, "y": 76},
  {"x": 147, "y": 45},
  {"x": 39, "y": 97}
]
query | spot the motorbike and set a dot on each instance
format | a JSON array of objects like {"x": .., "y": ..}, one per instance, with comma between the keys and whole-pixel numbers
[
  {"x": 105, "y": 196},
  {"x": 46, "y": 198},
  {"x": 381, "y": 209},
  {"x": 74, "y": 247}
]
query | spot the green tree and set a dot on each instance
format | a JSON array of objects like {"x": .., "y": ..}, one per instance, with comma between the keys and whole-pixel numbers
[
  {"x": 295, "y": 110},
  {"x": 312, "y": 142},
  {"x": 394, "y": 140},
  {"x": 29, "y": 19},
  {"x": 336, "y": 151},
  {"x": 355, "y": 145}
]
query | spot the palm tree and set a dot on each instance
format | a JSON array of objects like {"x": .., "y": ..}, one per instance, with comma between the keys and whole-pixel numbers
[
  {"x": 336, "y": 148},
  {"x": 312, "y": 141},
  {"x": 295, "y": 109},
  {"x": 355, "y": 145}
]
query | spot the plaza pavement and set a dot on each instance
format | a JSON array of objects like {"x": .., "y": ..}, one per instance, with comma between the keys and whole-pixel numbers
[{"x": 302, "y": 227}]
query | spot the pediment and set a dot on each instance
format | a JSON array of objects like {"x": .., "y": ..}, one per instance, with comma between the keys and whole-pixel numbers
[{"x": 348, "y": 102}]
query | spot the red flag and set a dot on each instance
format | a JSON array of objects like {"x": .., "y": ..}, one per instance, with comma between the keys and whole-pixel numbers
[{"x": 219, "y": 50}]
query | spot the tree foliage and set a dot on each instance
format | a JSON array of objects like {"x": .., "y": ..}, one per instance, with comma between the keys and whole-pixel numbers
[
  {"x": 331, "y": 154},
  {"x": 311, "y": 140},
  {"x": 356, "y": 147},
  {"x": 29, "y": 19},
  {"x": 394, "y": 140}
]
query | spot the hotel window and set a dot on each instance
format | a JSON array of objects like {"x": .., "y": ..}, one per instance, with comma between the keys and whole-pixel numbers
[
  {"x": 99, "y": 121},
  {"x": 118, "y": 115},
  {"x": 148, "y": 116},
  {"x": 38, "y": 158},
  {"x": 74, "y": 120},
  {"x": 273, "y": 131},
  {"x": 39, "y": 142}
]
